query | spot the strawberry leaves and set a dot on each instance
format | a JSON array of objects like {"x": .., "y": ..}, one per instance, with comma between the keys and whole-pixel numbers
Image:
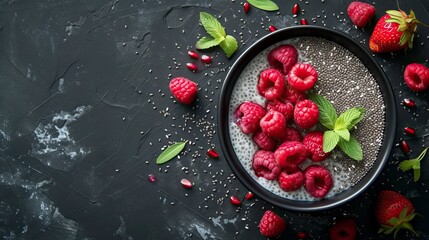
[
  {"x": 413, "y": 164},
  {"x": 338, "y": 133},
  {"x": 217, "y": 34}
]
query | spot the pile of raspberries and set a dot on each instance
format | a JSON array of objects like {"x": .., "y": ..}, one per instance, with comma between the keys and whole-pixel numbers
[{"x": 278, "y": 127}]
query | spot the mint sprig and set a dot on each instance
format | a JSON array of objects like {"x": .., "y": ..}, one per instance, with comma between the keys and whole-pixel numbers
[
  {"x": 338, "y": 133},
  {"x": 266, "y": 5},
  {"x": 217, "y": 34},
  {"x": 413, "y": 164}
]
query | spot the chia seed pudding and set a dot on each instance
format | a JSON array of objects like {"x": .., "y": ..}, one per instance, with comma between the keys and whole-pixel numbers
[{"x": 346, "y": 83}]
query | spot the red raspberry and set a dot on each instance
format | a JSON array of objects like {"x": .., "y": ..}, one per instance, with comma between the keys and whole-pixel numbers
[
  {"x": 291, "y": 182},
  {"x": 318, "y": 181},
  {"x": 292, "y": 95},
  {"x": 344, "y": 229},
  {"x": 248, "y": 115},
  {"x": 302, "y": 76},
  {"x": 291, "y": 134},
  {"x": 360, "y": 13},
  {"x": 264, "y": 141},
  {"x": 416, "y": 77},
  {"x": 285, "y": 108},
  {"x": 265, "y": 165},
  {"x": 271, "y": 225},
  {"x": 291, "y": 168},
  {"x": 313, "y": 141},
  {"x": 290, "y": 153},
  {"x": 183, "y": 89},
  {"x": 273, "y": 124},
  {"x": 306, "y": 114},
  {"x": 271, "y": 84},
  {"x": 283, "y": 57}
]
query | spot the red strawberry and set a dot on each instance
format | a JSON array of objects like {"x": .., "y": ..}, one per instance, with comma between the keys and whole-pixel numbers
[
  {"x": 416, "y": 77},
  {"x": 394, "y": 212},
  {"x": 183, "y": 89},
  {"x": 360, "y": 13},
  {"x": 394, "y": 31},
  {"x": 271, "y": 225},
  {"x": 344, "y": 229}
]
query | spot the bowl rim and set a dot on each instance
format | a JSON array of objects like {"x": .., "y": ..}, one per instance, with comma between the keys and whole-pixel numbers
[{"x": 370, "y": 63}]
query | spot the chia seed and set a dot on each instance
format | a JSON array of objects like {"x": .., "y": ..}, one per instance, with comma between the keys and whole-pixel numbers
[{"x": 346, "y": 83}]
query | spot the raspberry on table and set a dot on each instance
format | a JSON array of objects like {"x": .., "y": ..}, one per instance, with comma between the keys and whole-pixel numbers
[
  {"x": 284, "y": 107},
  {"x": 283, "y": 58},
  {"x": 273, "y": 124},
  {"x": 271, "y": 84},
  {"x": 360, "y": 13},
  {"x": 290, "y": 153},
  {"x": 271, "y": 225},
  {"x": 306, "y": 114},
  {"x": 313, "y": 141},
  {"x": 318, "y": 181},
  {"x": 183, "y": 89},
  {"x": 265, "y": 165},
  {"x": 416, "y": 76},
  {"x": 248, "y": 115},
  {"x": 291, "y": 182},
  {"x": 292, "y": 95},
  {"x": 264, "y": 141},
  {"x": 302, "y": 77}
]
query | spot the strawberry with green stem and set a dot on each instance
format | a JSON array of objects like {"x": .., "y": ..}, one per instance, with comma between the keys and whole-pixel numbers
[
  {"x": 394, "y": 31},
  {"x": 394, "y": 212}
]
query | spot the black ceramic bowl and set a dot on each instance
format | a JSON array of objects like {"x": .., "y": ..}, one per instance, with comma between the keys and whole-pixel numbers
[{"x": 390, "y": 117}]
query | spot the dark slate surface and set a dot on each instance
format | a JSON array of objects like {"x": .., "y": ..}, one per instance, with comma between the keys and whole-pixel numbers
[{"x": 85, "y": 109}]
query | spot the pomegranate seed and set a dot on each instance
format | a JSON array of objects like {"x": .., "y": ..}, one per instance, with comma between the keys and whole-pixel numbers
[
  {"x": 271, "y": 28},
  {"x": 249, "y": 195},
  {"x": 295, "y": 10},
  {"x": 212, "y": 153},
  {"x": 186, "y": 183},
  {"x": 151, "y": 178},
  {"x": 206, "y": 59},
  {"x": 409, "y": 130},
  {"x": 405, "y": 147},
  {"x": 246, "y": 7},
  {"x": 304, "y": 21},
  {"x": 235, "y": 200},
  {"x": 408, "y": 102},
  {"x": 193, "y": 54},
  {"x": 302, "y": 235},
  {"x": 192, "y": 66}
]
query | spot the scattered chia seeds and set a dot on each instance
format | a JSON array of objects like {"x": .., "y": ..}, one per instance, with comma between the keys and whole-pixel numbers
[{"x": 343, "y": 80}]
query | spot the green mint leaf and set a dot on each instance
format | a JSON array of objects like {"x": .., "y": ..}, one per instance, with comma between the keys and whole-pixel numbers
[
  {"x": 416, "y": 171},
  {"x": 351, "y": 148},
  {"x": 212, "y": 26},
  {"x": 407, "y": 164},
  {"x": 344, "y": 133},
  {"x": 266, "y": 5},
  {"x": 330, "y": 140},
  {"x": 170, "y": 152},
  {"x": 346, "y": 118},
  {"x": 327, "y": 113},
  {"x": 207, "y": 42},
  {"x": 413, "y": 164},
  {"x": 229, "y": 45},
  {"x": 362, "y": 114}
]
